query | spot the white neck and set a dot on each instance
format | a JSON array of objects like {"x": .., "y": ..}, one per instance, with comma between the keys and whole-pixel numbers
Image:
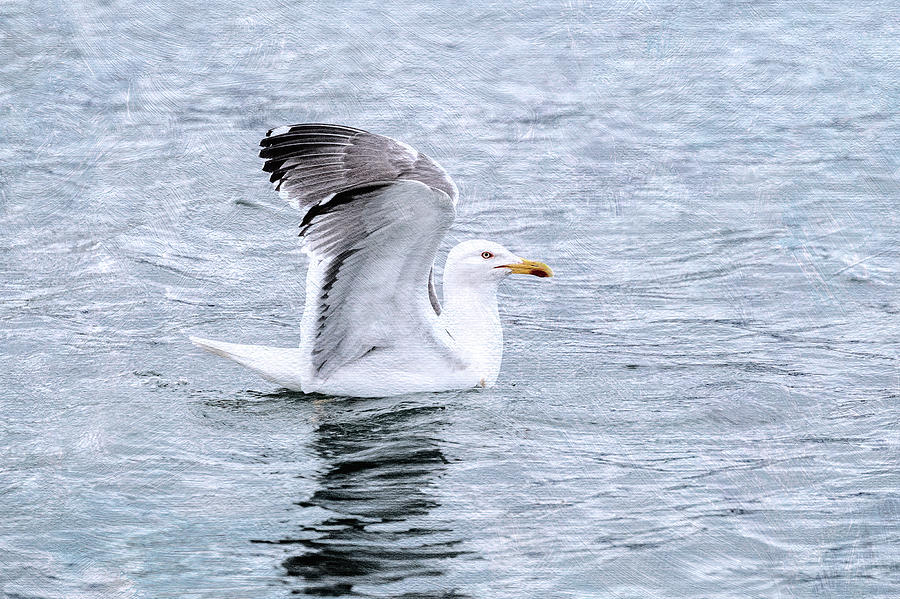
[{"x": 470, "y": 316}]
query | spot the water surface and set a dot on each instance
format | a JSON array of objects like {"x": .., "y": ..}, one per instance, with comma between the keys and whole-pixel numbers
[{"x": 702, "y": 403}]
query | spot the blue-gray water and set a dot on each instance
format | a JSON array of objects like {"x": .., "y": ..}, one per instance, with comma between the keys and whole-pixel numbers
[{"x": 702, "y": 403}]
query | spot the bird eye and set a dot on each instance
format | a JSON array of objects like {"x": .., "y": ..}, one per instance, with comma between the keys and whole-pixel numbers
[{"x": 487, "y": 255}]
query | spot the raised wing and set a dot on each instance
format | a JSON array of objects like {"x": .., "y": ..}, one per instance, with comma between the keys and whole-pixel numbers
[
  {"x": 375, "y": 214},
  {"x": 311, "y": 162}
]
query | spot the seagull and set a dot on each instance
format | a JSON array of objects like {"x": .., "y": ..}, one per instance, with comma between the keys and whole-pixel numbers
[{"x": 375, "y": 211}]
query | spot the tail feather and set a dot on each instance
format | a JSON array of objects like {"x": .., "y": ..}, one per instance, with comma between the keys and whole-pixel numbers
[{"x": 280, "y": 365}]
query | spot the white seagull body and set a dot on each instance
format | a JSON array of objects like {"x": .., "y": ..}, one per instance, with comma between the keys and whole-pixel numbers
[{"x": 375, "y": 213}]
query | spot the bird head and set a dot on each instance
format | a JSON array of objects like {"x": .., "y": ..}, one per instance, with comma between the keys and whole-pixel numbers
[{"x": 478, "y": 261}]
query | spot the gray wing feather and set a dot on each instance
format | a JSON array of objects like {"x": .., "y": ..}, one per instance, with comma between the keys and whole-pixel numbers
[
  {"x": 310, "y": 162},
  {"x": 432, "y": 293}
]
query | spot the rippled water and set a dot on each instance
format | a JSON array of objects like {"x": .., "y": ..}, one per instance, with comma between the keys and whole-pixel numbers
[{"x": 702, "y": 403}]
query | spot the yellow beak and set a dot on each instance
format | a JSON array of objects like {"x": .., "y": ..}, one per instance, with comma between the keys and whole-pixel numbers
[{"x": 529, "y": 267}]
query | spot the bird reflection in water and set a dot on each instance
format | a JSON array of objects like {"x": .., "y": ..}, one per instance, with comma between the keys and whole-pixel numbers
[{"x": 369, "y": 519}]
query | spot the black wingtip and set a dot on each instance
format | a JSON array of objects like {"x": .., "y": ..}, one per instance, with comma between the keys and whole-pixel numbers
[
  {"x": 276, "y": 174},
  {"x": 309, "y": 128}
]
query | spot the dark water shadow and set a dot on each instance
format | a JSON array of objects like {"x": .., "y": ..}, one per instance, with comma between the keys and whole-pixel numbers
[{"x": 370, "y": 521}]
